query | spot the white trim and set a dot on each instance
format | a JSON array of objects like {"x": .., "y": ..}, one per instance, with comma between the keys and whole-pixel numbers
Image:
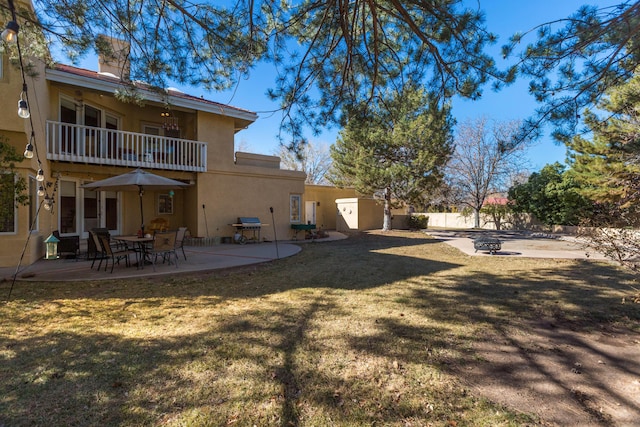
[
  {"x": 292, "y": 214},
  {"x": 32, "y": 178}
]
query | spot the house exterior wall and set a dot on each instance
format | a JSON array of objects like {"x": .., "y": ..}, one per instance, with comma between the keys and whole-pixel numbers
[
  {"x": 250, "y": 159},
  {"x": 218, "y": 132},
  {"x": 246, "y": 191},
  {"x": 325, "y": 197},
  {"x": 227, "y": 189},
  {"x": 357, "y": 214},
  {"x": 16, "y": 131}
]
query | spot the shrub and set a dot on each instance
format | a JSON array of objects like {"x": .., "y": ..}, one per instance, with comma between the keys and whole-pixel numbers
[{"x": 418, "y": 222}]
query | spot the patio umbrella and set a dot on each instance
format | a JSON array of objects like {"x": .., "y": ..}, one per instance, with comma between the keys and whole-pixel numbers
[{"x": 137, "y": 180}]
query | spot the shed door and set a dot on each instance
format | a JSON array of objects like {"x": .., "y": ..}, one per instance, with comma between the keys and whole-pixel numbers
[{"x": 310, "y": 212}]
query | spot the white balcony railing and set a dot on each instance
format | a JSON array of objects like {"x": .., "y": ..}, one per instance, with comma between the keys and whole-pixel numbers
[{"x": 86, "y": 144}]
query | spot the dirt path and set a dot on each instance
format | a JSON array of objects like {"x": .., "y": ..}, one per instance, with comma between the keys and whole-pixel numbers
[
  {"x": 567, "y": 378},
  {"x": 566, "y": 374}
]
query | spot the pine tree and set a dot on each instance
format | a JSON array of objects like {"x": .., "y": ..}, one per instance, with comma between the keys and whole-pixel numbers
[
  {"x": 394, "y": 149},
  {"x": 330, "y": 55}
]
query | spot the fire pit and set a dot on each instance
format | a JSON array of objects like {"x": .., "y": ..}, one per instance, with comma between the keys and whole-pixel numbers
[{"x": 490, "y": 244}]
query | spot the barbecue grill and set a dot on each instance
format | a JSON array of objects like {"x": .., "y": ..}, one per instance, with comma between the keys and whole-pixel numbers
[{"x": 249, "y": 223}]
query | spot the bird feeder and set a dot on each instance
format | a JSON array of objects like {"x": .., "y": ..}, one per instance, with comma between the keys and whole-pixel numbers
[{"x": 51, "y": 244}]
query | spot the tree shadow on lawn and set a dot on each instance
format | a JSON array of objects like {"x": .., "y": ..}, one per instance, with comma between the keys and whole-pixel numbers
[
  {"x": 253, "y": 367},
  {"x": 355, "y": 263},
  {"x": 559, "y": 339},
  {"x": 90, "y": 377}
]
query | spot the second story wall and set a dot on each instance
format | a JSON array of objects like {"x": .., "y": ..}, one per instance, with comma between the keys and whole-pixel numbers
[
  {"x": 131, "y": 117},
  {"x": 10, "y": 88},
  {"x": 218, "y": 132}
]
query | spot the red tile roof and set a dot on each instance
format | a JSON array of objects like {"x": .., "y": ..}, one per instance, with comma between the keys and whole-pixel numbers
[
  {"x": 495, "y": 201},
  {"x": 113, "y": 79}
]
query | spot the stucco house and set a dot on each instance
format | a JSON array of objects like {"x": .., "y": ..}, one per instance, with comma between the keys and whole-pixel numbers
[{"x": 82, "y": 133}]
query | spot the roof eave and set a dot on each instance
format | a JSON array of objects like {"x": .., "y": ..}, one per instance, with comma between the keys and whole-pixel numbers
[{"x": 59, "y": 76}]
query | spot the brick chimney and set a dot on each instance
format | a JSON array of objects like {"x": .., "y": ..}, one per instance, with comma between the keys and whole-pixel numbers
[{"x": 113, "y": 56}]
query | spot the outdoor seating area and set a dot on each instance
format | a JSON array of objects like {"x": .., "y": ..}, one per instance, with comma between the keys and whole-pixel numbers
[
  {"x": 101, "y": 246},
  {"x": 195, "y": 259}
]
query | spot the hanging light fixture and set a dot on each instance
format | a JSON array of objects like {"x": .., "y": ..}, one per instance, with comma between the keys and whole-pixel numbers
[
  {"x": 41, "y": 191},
  {"x": 40, "y": 175},
  {"x": 170, "y": 122},
  {"x": 23, "y": 107},
  {"x": 28, "y": 151},
  {"x": 10, "y": 34}
]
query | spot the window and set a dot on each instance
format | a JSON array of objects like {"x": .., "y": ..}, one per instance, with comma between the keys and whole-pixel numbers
[
  {"x": 8, "y": 213},
  {"x": 294, "y": 208},
  {"x": 165, "y": 204},
  {"x": 67, "y": 207},
  {"x": 92, "y": 116}
]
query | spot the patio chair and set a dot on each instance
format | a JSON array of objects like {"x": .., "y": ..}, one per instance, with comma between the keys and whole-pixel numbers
[
  {"x": 164, "y": 244},
  {"x": 182, "y": 231},
  {"x": 159, "y": 224},
  {"x": 69, "y": 246},
  {"x": 95, "y": 247},
  {"x": 114, "y": 255}
]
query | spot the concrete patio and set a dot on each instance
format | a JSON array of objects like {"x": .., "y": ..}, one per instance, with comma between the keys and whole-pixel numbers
[
  {"x": 200, "y": 258},
  {"x": 517, "y": 244}
]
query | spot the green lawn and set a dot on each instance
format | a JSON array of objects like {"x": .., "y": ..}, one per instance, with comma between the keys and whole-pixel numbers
[{"x": 357, "y": 332}]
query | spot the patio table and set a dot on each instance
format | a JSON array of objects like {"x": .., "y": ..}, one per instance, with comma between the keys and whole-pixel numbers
[{"x": 139, "y": 245}]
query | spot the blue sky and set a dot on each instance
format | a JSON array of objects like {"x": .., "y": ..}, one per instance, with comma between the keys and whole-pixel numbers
[{"x": 504, "y": 18}]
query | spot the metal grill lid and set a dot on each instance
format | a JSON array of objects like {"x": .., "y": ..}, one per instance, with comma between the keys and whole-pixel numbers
[{"x": 249, "y": 221}]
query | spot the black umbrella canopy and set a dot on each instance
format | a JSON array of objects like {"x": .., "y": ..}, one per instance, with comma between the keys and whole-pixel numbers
[{"x": 136, "y": 180}]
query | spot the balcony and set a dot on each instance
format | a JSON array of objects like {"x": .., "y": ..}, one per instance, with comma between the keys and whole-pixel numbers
[{"x": 68, "y": 142}]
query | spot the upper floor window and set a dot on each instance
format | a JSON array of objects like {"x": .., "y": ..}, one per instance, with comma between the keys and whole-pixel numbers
[{"x": 85, "y": 114}]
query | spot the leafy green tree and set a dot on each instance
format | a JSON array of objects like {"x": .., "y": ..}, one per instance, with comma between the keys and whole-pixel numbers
[
  {"x": 332, "y": 55},
  {"x": 552, "y": 195},
  {"x": 573, "y": 62},
  {"x": 608, "y": 165},
  {"x": 329, "y": 55},
  {"x": 394, "y": 149},
  {"x": 498, "y": 212},
  {"x": 12, "y": 186}
]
